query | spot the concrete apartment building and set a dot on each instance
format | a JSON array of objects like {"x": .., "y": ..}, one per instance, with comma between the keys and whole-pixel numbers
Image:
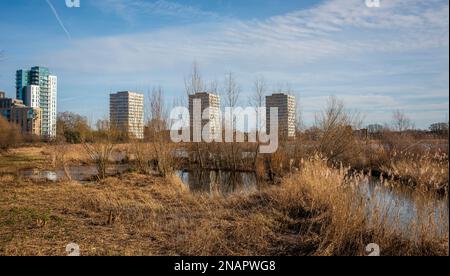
[
  {"x": 286, "y": 113},
  {"x": 207, "y": 100},
  {"x": 37, "y": 88},
  {"x": 27, "y": 119},
  {"x": 126, "y": 113},
  {"x": 7, "y": 103},
  {"x": 33, "y": 96}
]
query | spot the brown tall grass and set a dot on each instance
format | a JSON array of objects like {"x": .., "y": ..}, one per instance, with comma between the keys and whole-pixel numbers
[
  {"x": 351, "y": 221},
  {"x": 314, "y": 212},
  {"x": 421, "y": 168},
  {"x": 428, "y": 171}
]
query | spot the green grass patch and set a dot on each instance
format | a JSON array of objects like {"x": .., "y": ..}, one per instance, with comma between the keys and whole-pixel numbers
[{"x": 30, "y": 217}]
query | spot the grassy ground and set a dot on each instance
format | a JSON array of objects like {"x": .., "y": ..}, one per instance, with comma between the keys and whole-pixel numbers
[
  {"x": 12, "y": 161},
  {"x": 41, "y": 157},
  {"x": 314, "y": 212}
]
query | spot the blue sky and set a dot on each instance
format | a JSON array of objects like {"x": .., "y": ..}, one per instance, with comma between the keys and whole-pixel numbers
[{"x": 376, "y": 59}]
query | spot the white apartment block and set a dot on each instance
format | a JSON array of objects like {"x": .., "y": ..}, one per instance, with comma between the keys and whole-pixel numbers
[
  {"x": 286, "y": 113},
  {"x": 210, "y": 125},
  {"x": 48, "y": 93},
  {"x": 126, "y": 112},
  {"x": 33, "y": 96},
  {"x": 51, "y": 106}
]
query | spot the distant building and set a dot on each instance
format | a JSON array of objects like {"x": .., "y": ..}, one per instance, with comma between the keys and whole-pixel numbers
[
  {"x": 38, "y": 88},
  {"x": 126, "y": 113},
  {"x": 49, "y": 107},
  {"x": 286, "y": 113},
  {"x": 32, "y": 96},
  {"x": 28, "y": 119},
  {"x": 207, "y": 100},
  {"x": 361, "y": 133},
  {"x": 8, "y": 102},
  {"x": 22, "y": 81}
]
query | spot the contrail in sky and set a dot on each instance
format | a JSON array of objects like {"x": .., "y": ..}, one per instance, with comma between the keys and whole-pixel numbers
[{"x": 59, "y": 19}]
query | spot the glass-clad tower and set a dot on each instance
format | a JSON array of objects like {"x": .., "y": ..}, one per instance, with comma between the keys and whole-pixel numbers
[
  {"x": 40, "y": 76},
  {"x": 22, "y": 80}
]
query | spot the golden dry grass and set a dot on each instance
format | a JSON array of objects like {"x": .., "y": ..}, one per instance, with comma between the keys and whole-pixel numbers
[
  {"x": 427, "y": 171},
  {"x": 314, "y": 212}
]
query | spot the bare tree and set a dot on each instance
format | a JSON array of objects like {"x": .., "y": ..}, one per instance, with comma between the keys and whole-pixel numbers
[
  {"x": 335, "y": 125},
  {"x": 257, "y": 101},
  {"x": 213, "y": 87},
  {"x": 401, "y": 122},
  {"x": 439, "y": 128},
  {"x": 231, "y": 92},
  {"x": 157, "y": 120},
  {"x": 194, "y": 82},
  {"x": 72, "y": 127},
  {"x": 259, "y": 92},
  {"x": 159, "y": 154}
]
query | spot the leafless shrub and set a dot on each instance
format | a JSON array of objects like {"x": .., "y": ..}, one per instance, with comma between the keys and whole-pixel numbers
[
  {"x": 165, "y": 156},
  {"x": 101, "y": 149},
  {"x": 401, "y": 122},
  {"x": 335, "y": 127},
  {"x": 100, "y": 153},
  {"x": 157, "y": 152},
  {"x": 59, "y": 152},
  {"x": 142, "y": 156}
]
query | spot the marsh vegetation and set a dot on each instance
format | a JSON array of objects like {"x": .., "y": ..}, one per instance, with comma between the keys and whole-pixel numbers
[{"x": 330, "y": 191}]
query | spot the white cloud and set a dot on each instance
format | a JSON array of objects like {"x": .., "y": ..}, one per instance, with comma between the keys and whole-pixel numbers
[
  {"x": 287, "y": 46},
  {"x": 334, "y": 29},
  {"x": 128, "y": 9}
]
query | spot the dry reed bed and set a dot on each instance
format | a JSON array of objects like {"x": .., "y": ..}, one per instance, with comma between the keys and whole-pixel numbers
[
  {"x": 426, "y": 171},
  {"x": 314, "y": 212}
]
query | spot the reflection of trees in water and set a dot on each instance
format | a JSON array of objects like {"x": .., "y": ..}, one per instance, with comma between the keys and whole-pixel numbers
[{"x": 219, "y": 181}]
